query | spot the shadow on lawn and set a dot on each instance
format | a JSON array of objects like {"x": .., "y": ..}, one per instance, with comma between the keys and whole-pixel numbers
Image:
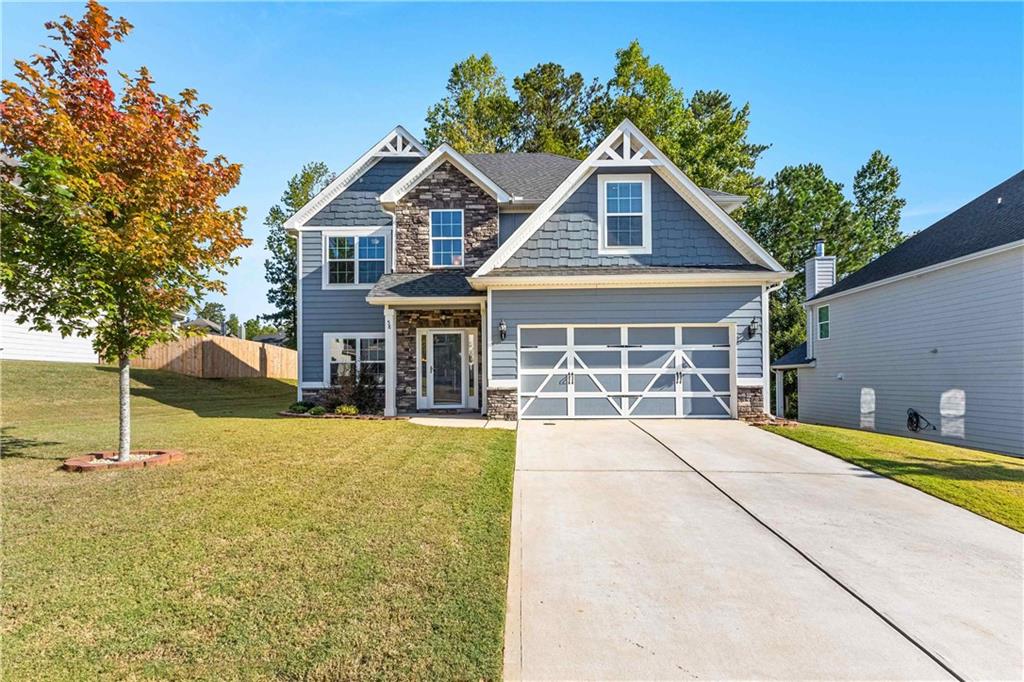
[
  {"x": 950, "y": 469},
  {"x": 15, "y": 446},
  {"x": 250, "y": 398}
]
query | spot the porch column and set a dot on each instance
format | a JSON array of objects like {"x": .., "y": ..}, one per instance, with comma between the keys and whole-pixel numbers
[
  {"x": 485, "y": 344},
  {"x": 390, "y": 362},
  {"x": 780, "y": 398}
]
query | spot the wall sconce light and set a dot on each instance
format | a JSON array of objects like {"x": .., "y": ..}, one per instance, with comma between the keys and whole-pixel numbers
[
  {"x": 502, "y": 330},
  {"x": 752, "y": 328}
]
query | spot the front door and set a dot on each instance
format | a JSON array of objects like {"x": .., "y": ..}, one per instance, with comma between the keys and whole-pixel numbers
[{"x": 445, "y": 371}]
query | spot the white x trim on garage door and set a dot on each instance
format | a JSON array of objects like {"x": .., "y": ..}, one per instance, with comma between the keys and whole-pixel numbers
[{"x": 627, "y": 371}]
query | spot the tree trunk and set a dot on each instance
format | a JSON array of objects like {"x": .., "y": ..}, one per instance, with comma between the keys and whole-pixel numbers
[{"x": 124, "y": 442}]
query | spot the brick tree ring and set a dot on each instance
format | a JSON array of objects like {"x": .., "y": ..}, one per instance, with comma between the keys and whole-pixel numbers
[{"x": 106, "y": 460}]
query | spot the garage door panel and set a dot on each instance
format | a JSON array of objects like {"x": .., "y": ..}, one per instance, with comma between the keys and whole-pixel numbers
[
  {"x": 543, "y": 336},
  {"x": 661, "y": 382},
  {"x": 596, "y": 407},
  {"x": 707, "y": 359},
  {"x": 544, "y": 407},
  {"x": 655, "y": 407},
  {"x": 550, "y": 383},
  {"x": 706, "y": 407},
  {"x": 651, "y": 336},
  {"x": 705, "y": 336},
  {"x": 599, "y": 359},
  {"x": 543, "y": 359},
  {"x": 647, "y": 358},
  {"x": 626, "y": 371},
  {"x": 597, "y": 336}
]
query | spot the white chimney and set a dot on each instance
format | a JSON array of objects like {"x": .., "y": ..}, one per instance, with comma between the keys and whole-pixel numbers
[{"x": 820, "y": 271}]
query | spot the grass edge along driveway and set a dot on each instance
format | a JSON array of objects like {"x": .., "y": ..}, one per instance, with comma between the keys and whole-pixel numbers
[
  {"x": 985, "y": 483},
  {"x": 278, "y": 549}
]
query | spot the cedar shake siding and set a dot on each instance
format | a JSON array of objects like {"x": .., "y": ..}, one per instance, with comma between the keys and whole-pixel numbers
[
  {"x": 679, "y": 235},
  {"x": 445, "y": 188}
]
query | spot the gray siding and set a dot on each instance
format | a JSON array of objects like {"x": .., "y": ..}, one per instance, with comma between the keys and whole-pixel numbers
[
  {"x": 333, "y": 310},
  {"x": 624, "y": 306},
  {"x": 956, "y": 333},
  {"x": 680, "y": 235},
  {"x": 820, "y": 274},
  {"x": 509, "y": 223},
  {"x": 358, "y": 206}
]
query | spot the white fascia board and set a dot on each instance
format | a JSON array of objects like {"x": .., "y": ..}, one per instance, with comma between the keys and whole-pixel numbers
[
  {"x": 716, "y": 216},
  {"x": 353, "y": 173},
  {"x": 424, "y": 300},
  {"x": 814, "y": 302},
  {"x": 800, "y": 366},
  {"x": 625, "y": 281},
  {"x": 425, "y": 167}
]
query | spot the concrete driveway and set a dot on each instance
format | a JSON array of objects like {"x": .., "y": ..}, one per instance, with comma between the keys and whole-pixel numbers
[{"x": 714, "y": 550}]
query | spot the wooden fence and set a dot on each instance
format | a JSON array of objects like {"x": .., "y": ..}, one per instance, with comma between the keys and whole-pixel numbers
[{"x": 221, "y": 357}]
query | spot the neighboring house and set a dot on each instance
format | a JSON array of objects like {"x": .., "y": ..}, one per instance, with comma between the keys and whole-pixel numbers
[
  {"x": 19, "y": 342},
  {"x": 209, "y": 326},
  {"x": 275, "y": 339},
  {"x": 533, "y": 285},
  {"x": 935, "y": 326}
]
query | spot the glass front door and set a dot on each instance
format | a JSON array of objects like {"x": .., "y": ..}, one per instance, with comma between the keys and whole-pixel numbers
[{"x": 446, "y": 368}]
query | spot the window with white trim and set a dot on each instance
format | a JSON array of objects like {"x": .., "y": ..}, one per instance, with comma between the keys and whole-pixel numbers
[
  {"x": 624, "y": 213},
  {"x": 354, "y": 259},
  {"x": 349, "y": 355},
  {"x": 446, "y": 239},
  {"x": 823, "y": 325}
]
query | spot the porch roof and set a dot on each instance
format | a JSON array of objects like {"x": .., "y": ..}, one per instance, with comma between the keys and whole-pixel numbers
[{"x": 411, "y": 287}]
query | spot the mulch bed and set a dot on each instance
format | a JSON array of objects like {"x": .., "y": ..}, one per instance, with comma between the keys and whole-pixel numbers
[
  {"x": 365, "y": 417},
  {"x": 106, "y": 460}
]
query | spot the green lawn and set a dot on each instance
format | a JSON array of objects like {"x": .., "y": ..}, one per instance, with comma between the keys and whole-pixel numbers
[
  {"x": 987, "y": 484},
  {"x": 280, "y": 548}
]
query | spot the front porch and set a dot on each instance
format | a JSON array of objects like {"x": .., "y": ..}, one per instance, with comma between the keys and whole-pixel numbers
[{"x": 438, "y": 360}]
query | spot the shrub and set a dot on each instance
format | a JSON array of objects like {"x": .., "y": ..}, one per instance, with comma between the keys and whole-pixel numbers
[
  {"x": 317, "y": 411},
  {"x": 299, "y": 407},
  {"x": 362, "y": 392},
  {"x": 346, "y": 409}
]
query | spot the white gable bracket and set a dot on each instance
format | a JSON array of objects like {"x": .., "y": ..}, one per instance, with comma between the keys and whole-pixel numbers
[{"x": 398, "y": 143}]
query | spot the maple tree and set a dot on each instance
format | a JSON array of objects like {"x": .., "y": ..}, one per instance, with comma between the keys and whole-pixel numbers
[{"x": 111, "y": 215}]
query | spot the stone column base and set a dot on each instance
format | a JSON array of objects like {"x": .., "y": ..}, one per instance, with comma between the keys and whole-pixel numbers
[
  {"x": 502, "y": 403},
  {"x": 750, "y": 402}
]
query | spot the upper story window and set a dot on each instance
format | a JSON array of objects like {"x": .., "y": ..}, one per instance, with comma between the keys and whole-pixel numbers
[
  {"x": 823, "y": 326},
  {"x": 446, "y": 239},
  {"x": 353, "y": 260},
  {"x": 624, "y": 214}
]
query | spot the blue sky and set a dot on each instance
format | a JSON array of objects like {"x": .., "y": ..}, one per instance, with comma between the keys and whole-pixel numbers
[{"x": 937, "y": 86}]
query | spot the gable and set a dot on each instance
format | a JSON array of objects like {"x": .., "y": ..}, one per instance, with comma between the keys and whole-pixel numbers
[
  {"x": 359, "y": 206},
  {"x": 679, "y": 235},
  {"x": 626, "y": 147}
]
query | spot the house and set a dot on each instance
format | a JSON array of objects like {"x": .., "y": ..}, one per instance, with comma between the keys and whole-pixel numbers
[
  {"x": 928, "y": 339},
  {"x": 21, "y": 342},
  {"x": 208, "y": 326},
  {"x": 275, "y": 339},
  {"x": 532, "y": 285}
]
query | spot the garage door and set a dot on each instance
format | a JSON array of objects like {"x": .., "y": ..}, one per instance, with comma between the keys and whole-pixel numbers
[{"x": 626, "y": 371}]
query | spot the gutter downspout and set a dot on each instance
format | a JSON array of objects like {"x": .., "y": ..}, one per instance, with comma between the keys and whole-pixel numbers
[{"x": 766, "y": 350}]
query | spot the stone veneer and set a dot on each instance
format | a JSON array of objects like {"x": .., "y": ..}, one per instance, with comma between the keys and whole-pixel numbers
[
  {"x": 445, "y": 188},
  {"x": 501, "y": 403},
  {"x": 749, "y": 401},
  {"x": 406, "y": 324}
]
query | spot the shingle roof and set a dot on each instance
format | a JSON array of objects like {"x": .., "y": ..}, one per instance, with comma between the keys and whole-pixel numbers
[
  {"x": 982, "y": 224},
  {"x": 423, "y": 284},
  {"x": 797, "y": 356},
  {"x": 531, "y": 176},
  {"x": 583, "y": 270}
]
